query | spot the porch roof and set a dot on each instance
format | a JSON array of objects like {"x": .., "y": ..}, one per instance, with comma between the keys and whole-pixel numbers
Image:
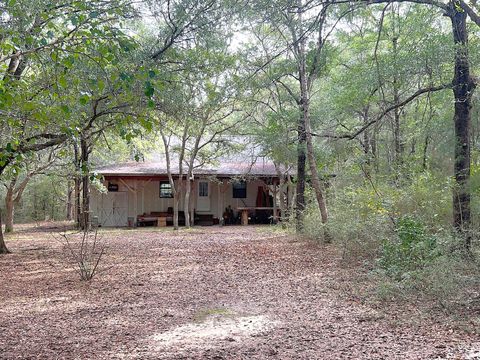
[{"x": 258, "y": 168}]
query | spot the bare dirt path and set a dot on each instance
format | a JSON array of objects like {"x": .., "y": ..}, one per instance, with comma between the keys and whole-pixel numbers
[{"x": 209, "y": 293}]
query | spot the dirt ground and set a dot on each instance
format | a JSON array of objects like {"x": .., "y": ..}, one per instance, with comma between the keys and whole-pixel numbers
[{"x": 208, "y": 293}]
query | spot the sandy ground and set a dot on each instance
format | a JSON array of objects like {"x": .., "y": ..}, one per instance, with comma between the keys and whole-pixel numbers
[{"x": 208, "y": 293}]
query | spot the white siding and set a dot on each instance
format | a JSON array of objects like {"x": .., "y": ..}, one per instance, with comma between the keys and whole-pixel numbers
[{"x": 148, "y": 199}]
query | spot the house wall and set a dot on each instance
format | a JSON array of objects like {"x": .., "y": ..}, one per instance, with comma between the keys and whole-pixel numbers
[{"x": 143, "y": 196}]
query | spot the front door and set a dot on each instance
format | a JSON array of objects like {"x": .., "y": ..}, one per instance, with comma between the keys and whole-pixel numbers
[
  {"x": 203, "y": 196},
  {"x": 114, "y": 209}
]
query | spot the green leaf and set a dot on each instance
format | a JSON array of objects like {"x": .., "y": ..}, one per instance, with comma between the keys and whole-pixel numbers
[
  {"x": 84, "y": 99},
  {"x": 62, "y": 81},
  {"x": 149, "y": 90}
]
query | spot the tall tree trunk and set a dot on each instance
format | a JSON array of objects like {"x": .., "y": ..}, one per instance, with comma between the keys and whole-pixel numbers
[
  {"x": 301, "y": 162},
  {"x": 305, "y": 115},
  {"x": 186, "y": 207},
  {"x": 9, "y": 211},
  {"x": 3, "y": 246},
  {"x": 367, "y": 144},
  {"x": 397, "y": 134},
  {"x": 13, "y": 198},
  {"x": 176, "y": 203},
  {"x": 69, "y": 205},
  {"x": 281, "y": 191},
  {"x": 373, "y": 144},
  {"x": 9, "y": 206},
  {"x": 425, "y": 152},
  {"x": 85, "y": 184},
  {"x": 291, "y": 196},
  {"x": 463, "y": 87},
  {"x": 77, "y": 186},
  {"x": 317, "y": 186}
]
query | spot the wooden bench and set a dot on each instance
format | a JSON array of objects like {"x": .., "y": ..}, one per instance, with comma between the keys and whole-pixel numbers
[
  {"x": 159, "y": 218},
  {"x": 153, "y": 219}
]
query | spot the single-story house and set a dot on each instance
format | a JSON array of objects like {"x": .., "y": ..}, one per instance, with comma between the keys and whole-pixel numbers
[{"x": 139, "y": 193}]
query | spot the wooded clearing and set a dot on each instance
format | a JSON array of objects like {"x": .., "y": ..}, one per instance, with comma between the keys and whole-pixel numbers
[
  {"x": 350, "y": 128},
  {"x": 216, "y": 293}
]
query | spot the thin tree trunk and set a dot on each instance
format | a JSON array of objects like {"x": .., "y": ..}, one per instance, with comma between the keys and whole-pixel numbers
[
  {"x": 14, "y": 196},
  {"x": 292, "y": 194},
  {"x": 77, "y": 186},
  {"x": 463, "y": 87},
  {"x": 425, "y": 152},
  {"x": 176, "y": 187},
  {"x": 69, "y": 208},
  {"x": 317, "y": 186},
  {"x": 367, "y": 143},
  {"x": 9, "y": 206},
  {"x": 9, "y": 213},
  {"x": 305, "y": 115},
  {"x": 3, "y": 246},
  {"x": 281, "y": 191},
  {"x": 186, "y": 207},
  {"x": 85, "y": 184},
  {"x": 301, "y": 162},
  {"x": 373, "y": 144},
  {"x": 176, "y": 203},
  {"x": 397, "y": 135}
]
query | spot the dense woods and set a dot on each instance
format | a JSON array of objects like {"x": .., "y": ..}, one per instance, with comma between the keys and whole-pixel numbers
[{"x": 368, "y": 107}]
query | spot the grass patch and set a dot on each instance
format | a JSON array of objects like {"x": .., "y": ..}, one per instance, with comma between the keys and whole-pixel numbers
[{"x": 202, "y": 315}]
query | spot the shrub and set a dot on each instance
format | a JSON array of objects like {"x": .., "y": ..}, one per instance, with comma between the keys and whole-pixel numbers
[
  {"x": 411, "y": 250},
  {"x": 84, "y": 251}
]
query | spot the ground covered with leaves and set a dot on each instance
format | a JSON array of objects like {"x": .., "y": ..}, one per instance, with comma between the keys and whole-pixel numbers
[{"x": 208, "y": 293}]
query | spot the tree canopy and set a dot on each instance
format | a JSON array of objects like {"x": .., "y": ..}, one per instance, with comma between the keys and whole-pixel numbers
[{"x": 373, "y": 94}]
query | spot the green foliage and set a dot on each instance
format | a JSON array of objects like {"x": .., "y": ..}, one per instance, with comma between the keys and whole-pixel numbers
[{"x": 412, "y": 250}]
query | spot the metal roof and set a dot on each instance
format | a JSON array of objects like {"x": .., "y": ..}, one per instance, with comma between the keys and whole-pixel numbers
[{"x": 260, "y": 167}]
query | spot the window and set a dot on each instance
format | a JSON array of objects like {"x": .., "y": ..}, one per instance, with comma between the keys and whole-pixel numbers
[
  {"x": 239, "y": 189},
  {"x": 203, "y": 189},
  {"x": 166, "y": 189}
]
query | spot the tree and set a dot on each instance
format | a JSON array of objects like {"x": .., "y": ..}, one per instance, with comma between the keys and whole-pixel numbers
[
  {"x": 193, "y": 126},
  {"x": 47, "y": 40},
  {"x": 303, "y": 28},
  {"x": 463, "y": 85},
  {"x": 18, "y": 182}
]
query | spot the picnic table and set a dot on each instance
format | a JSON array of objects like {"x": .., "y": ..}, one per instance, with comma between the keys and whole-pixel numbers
[{"x": 245, "y": 209}]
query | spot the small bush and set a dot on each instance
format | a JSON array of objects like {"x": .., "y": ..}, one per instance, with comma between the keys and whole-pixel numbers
[
  {"x": 357, "y": 224},
  {"x": 84, "y": 251},
  {"x": 412, "y": 250}
]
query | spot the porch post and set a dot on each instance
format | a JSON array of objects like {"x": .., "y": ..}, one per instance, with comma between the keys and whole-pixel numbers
[
  {"x": 275, "y": 215},
  {"x": 135, "y": 203},
  {"x": 143, "y": 197},
  {"x": 218, "y": 199}
]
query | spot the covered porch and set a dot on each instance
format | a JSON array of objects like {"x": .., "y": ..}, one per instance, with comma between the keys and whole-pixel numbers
[{"x": 148, "y": 201}]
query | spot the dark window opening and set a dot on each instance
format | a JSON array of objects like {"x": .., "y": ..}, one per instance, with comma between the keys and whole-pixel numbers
[
  {"x": 203, "y": 189},
  {"x": 239, "y": 189},
  {"x": 166, "y": 189}
]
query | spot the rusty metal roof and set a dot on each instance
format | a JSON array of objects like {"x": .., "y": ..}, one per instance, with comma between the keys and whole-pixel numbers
[{"x": 260, "y": 167}]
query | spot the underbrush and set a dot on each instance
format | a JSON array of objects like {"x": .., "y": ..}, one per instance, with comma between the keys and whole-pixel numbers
[
  {"x": 404, "y": 239},
  {"x": 420, "y": 266}
]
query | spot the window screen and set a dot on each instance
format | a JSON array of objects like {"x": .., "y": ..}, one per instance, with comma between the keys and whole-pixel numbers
[
  {"x": 203, "y": 189},
  {"x": 239, "y": 190},
  {"x": 166, "y": 189}
]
